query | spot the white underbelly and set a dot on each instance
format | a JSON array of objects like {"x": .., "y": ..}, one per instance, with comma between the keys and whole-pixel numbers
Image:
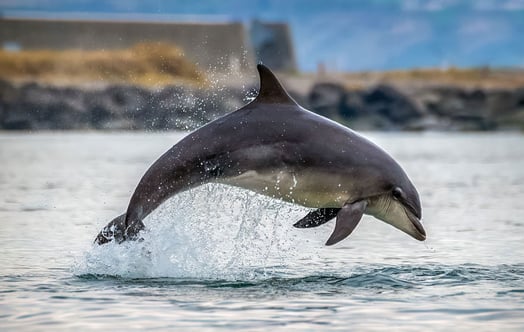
[{"x": 305, "y": 188}]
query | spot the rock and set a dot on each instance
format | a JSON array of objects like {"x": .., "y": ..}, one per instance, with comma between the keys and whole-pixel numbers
[
  {"x": 452, "y": 102},
  {"x": 327, "y": 99},
  {"x": 387, "y": 101},
  {"x": 354, "y": 105},
  {"x": 381, "y": 107},
  {"x": 473, "y": 109},
  {"x": 507, "y": 108},
  {"x": 34, "y": 107}
]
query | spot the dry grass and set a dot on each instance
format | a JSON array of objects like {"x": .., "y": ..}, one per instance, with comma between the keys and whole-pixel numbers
[
  {"x": 464, "y": 77},
  {"x": 148, "y": 64}
]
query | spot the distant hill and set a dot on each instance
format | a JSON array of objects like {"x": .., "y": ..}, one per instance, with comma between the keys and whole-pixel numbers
[{"x": 350, "y": 35}]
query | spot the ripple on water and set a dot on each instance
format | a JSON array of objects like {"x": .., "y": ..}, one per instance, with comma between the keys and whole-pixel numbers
[{"x": 372, "y": 278}]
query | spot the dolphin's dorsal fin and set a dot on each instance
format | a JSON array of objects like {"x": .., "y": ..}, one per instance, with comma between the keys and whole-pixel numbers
[{"x": 271, "y": 91}]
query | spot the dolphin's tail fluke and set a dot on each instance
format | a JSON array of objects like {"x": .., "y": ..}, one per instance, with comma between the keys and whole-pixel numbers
[{"x": 116, "y": 230}]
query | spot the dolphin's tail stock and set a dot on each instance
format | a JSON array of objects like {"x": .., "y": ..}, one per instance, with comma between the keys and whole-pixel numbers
[
  {"x": 116, "y": 230},
  {"x": 167, "y": 176}
]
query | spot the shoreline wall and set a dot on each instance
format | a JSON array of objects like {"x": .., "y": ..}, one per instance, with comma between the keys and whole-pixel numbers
[
  {"x": 216, "y": 46},
  {"x": 228, "y": 43}
]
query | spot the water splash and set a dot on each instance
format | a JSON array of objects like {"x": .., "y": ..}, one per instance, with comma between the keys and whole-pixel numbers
[{"x": 211, "y": 232}]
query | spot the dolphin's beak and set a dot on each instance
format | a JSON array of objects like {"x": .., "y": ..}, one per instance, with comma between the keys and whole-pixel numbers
[
  {"x": 417, "y": 231},
  {"x": 414, "y": 213}
]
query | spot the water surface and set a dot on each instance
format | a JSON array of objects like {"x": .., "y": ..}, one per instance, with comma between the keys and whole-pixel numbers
[{"x": 221, "y": 258}]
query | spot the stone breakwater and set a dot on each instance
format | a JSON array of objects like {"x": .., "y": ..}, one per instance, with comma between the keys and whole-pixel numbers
[
  {"x": 120, "y": 107},
  {"x": 386, "y": 107},
  {"x": 381, "y": 107}
]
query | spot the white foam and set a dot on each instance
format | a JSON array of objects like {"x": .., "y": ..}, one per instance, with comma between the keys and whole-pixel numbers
[{"x": 211, "y": 232}]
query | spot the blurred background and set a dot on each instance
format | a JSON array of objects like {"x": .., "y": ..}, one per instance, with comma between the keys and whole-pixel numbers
[{"x": 160, "y": 65}]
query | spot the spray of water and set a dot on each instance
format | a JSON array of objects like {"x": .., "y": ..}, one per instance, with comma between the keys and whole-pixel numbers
[{"x": 211, "y": 232}]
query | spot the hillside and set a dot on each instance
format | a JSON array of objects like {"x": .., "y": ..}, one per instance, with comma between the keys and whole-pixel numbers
[{"x": 145, "y": 64}]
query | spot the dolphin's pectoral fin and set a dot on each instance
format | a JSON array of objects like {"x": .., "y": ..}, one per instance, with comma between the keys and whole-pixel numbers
[
  {"x": 347, "y": 219},
  {"x": 317, "y": 218}
]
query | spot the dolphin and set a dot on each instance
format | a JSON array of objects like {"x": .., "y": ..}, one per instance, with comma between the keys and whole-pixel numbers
[{"x": 276, "y": 148}]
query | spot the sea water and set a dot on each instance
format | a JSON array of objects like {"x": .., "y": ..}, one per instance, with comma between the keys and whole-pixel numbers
[{"x": 222, "y": 258}]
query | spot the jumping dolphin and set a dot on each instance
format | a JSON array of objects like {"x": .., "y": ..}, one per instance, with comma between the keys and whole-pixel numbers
[{"x": 276, "y": 148}]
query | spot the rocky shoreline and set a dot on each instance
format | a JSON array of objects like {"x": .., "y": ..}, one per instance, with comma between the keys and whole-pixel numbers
[
  {"x": 442, "y": 108},
  {"x": 31, "y": 106}
]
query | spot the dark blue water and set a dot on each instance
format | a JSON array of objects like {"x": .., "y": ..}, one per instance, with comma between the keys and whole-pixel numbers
[{"x": 220, "y": 258}]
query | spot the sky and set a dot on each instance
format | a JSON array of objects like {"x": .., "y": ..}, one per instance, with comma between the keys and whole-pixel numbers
[{"x": 346, "y": 35}]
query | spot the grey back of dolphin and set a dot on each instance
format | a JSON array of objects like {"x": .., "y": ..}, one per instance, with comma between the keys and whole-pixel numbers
[{"x": 277, "y": 148}]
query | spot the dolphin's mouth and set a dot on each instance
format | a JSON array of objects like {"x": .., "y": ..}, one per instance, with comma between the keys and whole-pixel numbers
[
  {"x": 414, "y": 216},
  {"x": 419, "y": 232}
]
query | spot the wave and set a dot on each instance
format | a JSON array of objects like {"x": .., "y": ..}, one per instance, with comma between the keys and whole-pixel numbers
[{"x": 214, "y": 231}]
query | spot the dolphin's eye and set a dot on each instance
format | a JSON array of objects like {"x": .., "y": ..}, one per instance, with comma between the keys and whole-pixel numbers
[{"x": 397, "y": 193}]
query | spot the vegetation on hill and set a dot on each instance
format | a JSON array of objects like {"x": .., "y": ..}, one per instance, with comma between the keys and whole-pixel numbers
[
  {"x": 146, "y": 64},
  {"x": 482, "y": 77}
]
